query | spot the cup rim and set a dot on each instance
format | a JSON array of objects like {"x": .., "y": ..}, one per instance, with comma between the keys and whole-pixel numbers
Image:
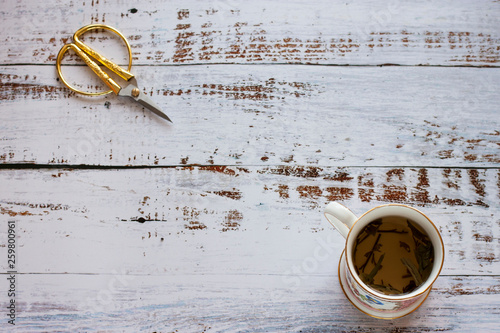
[{"x": 417, "y": 292}]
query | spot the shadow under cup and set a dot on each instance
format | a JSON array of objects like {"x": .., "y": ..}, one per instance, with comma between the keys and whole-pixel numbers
[{"x": 377, "y": 303}]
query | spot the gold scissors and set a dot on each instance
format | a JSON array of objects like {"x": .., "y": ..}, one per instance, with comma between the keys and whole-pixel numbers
[{"x": 83, "y": 51}]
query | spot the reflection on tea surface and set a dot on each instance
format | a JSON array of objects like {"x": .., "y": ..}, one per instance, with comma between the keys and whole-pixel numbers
[{"x": 393, "y": 255}]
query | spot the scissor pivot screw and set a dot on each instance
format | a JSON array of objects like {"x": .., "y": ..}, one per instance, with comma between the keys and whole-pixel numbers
[{"x": 135, "y": 92}]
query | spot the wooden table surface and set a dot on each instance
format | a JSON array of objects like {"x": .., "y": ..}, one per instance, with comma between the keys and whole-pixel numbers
[{"x": 214, "y": 223}]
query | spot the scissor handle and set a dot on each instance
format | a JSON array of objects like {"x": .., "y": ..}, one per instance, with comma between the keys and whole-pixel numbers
[
  {"x": 115, "y": 87},
  {"x": 82, "y": 50},
  {"x": 126, "y": 75}
]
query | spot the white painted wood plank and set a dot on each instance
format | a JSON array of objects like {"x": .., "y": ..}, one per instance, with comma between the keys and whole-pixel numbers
[
  {"x": 225, "y": 240},
  {"x": 231, "y": 220},
  {"x": 258, "y": 115},
  {"x": 238, "y": 303},
  {"x": 320, "y": 32}
]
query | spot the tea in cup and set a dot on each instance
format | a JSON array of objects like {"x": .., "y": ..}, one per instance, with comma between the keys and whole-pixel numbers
[{"x": 393, "y": 255}]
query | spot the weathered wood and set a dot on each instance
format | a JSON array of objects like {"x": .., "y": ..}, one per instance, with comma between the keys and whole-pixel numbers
[
  {"x": 240, "y": 303},
  {"x": 214, "y": 223},
  {"x": 315, "y": 32},
  {"x": 164, "y": 220},
  {"x": 226, "y": 115}
]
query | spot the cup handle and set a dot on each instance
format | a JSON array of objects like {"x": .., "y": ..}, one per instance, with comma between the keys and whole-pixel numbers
[{"x": 340, "y": 217}]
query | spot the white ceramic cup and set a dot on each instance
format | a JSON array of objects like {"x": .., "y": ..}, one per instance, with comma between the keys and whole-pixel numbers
[{"x": 366, "y": 299}]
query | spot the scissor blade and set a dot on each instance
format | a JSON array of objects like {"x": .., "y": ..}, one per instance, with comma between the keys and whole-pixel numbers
[
  {"x": 143, "y": 100},
  {"x": 148, "y": 103}
]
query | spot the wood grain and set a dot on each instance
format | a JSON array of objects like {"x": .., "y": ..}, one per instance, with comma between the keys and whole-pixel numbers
[
  {"x": 157, "y": 220},
  {"x": 215, "y": 223},
  {"x": 366, "y": 32},
  {"x": 231, "y": 303},
  {"x": 299, "y": 115}
]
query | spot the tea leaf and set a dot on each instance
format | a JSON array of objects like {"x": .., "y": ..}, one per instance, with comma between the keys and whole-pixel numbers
[
  {"x": 364, "y": 278},
  {"x": 395, "y": 231},
  {"x": 392, "y": 288},
  {"x": 410, "y": 287},
  {"x": 424, "y": 251},
  {"x": 377, "y": 267},
  {"x": 360, "y": 240},
  {"x": 426, "y": 272},
  {"x": 425, "y": 256},
  {"x": 413, "y": 270},
  {"x": 405, "y": 246},
  {"x": 369, "y": 254},
  {"x": 369, "y": 230},
  {"x": 388, "y": 290},
  {"x": 372, "y": 228},
  {"x": 417, "y": 233},
  {"x": 369, "y": 277}
]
